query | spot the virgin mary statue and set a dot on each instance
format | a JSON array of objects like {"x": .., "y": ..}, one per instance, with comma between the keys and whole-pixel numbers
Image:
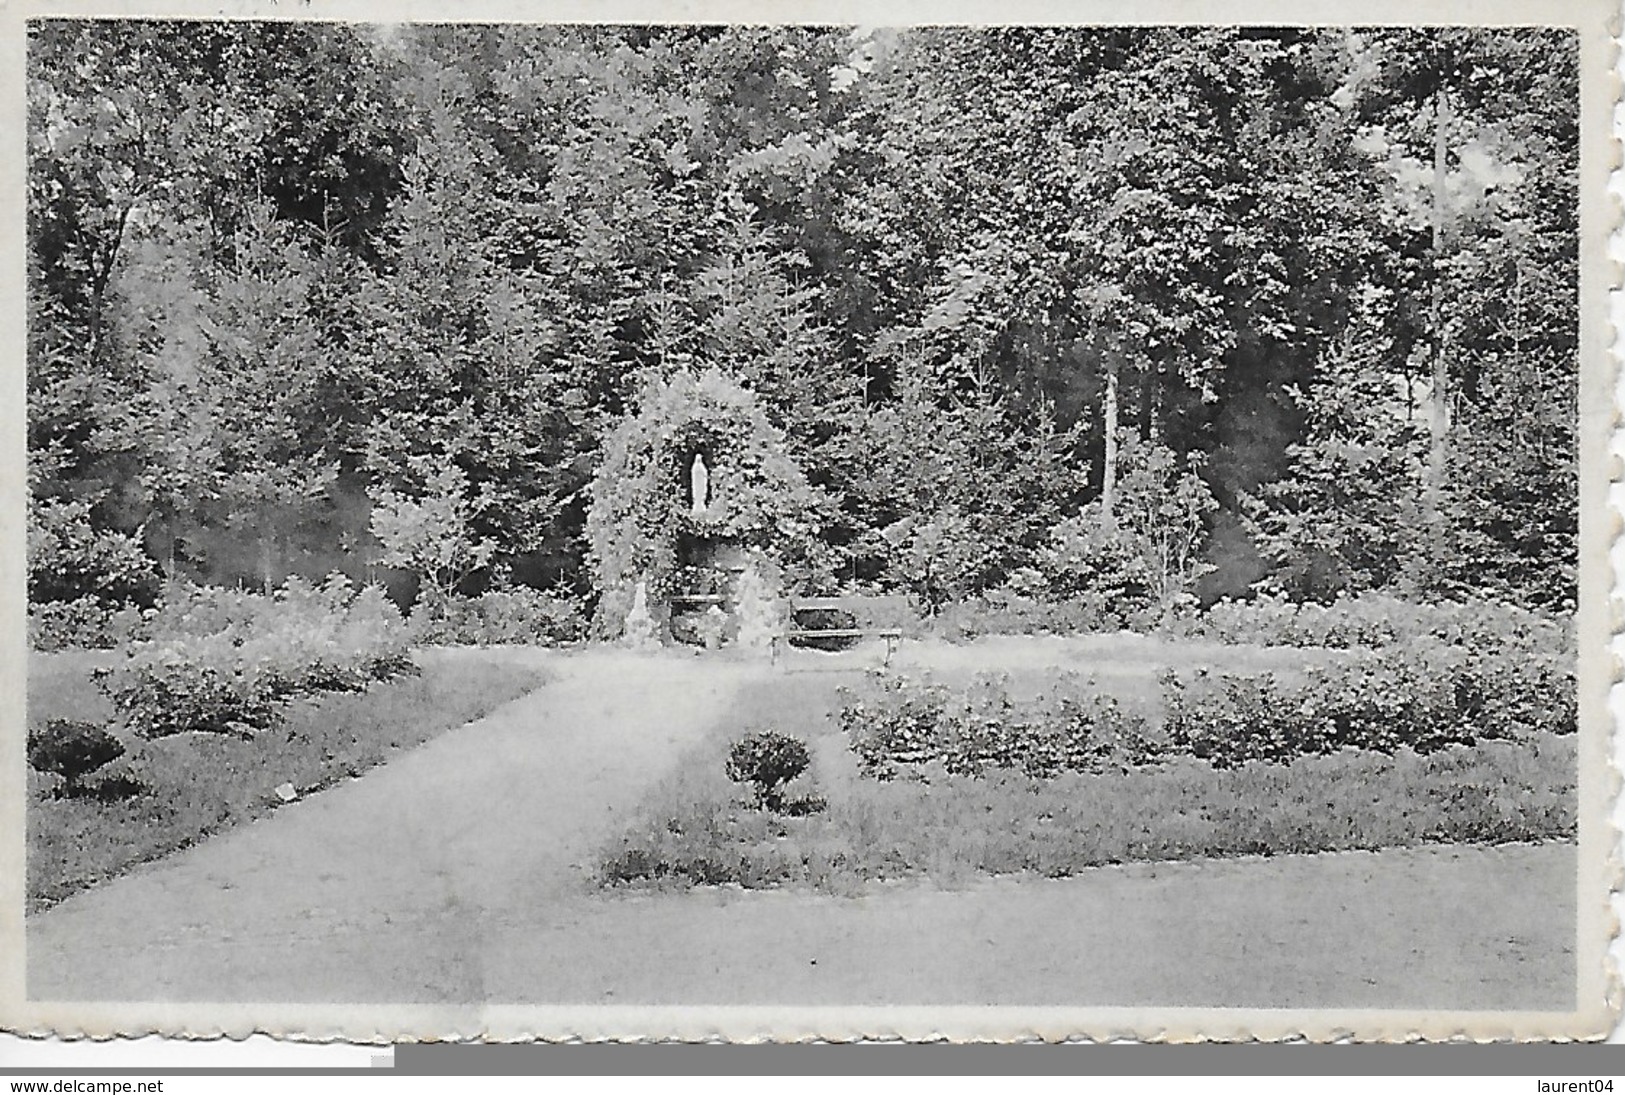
[{"x": 699, "y": 485}]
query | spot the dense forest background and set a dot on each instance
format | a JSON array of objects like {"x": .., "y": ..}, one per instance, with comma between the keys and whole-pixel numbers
[{"x": 1297, "y": 309}]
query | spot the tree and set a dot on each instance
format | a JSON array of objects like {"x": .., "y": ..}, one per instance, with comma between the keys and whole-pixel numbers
[
  {"x": 1464, "y": 202},
  {"x": 964, "y": 274},
  {"x": 430, "y": 534}
]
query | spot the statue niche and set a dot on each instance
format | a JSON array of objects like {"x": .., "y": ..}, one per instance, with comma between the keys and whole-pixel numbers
[{"x": 693, "y": 483}]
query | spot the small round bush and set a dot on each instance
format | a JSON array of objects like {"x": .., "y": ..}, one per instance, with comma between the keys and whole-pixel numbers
[
  {"x": 71, "y": 749},
  {"x": 767, "y": 760}
]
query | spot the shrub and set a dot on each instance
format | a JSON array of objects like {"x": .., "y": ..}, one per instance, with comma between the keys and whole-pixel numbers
[
  {"x": 518, "y": 616},
  {"x": 767, "y": 760},
  {"x": 1378, "y": 620},
  {"x": 227, "y": 660},
  {"x": 70, "y": 558},
  {"x": 1149, "y": 556},
  {"x": 71, "y": 749},
  {"x": 1004, "y": 612},
  {"x": 1452, "y": 672},
  {"x": 904, "y": 722},
  {"x": 430, "y": 534},
  {"x": 179, "y": 687},
  {"x": 947, "y": 554},
  {"x": 86, "y": 623},
  {"x": 1423, "y": 697},
  {"x": 1086, "y": 558}
]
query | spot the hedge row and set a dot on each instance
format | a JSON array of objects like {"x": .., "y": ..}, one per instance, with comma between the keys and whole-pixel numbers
[
  {"x": 500, "y": 617},
  {"x": 1422, "y": 697},
  {"x": 1376, "y": 620},
  {"x": 519, "y": 615},
  {"x": 897, "y": 721}
]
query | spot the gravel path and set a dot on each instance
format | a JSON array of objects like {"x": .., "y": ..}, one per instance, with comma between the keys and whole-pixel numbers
[
  {"x": 1446, "y": 927},
  {"x": 455, "y": 874}
]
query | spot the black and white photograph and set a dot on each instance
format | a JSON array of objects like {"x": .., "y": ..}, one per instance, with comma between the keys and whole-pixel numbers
[{"x": 634, "y": 529}]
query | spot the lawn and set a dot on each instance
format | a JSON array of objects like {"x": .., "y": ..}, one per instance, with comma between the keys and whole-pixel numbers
[{"x": 190, "y": 786}]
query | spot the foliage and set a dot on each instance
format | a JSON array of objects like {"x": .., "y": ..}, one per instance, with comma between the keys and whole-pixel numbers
[
  {"x": 946, "y": 521},
  {"x": 767, "y": 761},
  {"x": 226, "y": 662},
  {"x": 180, "y": 690},
  {"x": 85, "y": 623},
  {"x": 271, "y": 264},
  {"x": 1087, "y": 556},
  {"x": 1438, "y": 446},
  {"x": 942, "y": 556},
  {"x": 1512, "y": 514},
  {"x": 197, "y": 785},
  {"x": 1146, "y": 555},
  {"x": 1377, "y": 620},
  {"x": 1424, "y": 696},
  {"x": 1165, "y": 506},
  {"x": 72, "y": 749},
  {"x": 1342, "y": 520},
  {"x": 430, "y": 535},
  {"x": 70, "y": 559},
  {"x": 898, "y": 722},
  {"x": 759, "y": 496},
  {"x": 1002, "y": 612},
  {"x": 517, "y": 615}
]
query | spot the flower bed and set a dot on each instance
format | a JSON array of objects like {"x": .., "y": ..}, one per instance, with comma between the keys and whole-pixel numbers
[
  {"x": 226, "y": 661},
  {"x": 897, "y": 721},
  {"x": 1423, "y": 697},
  {"x": 698, "y": 829},
  {"x": 500, "y": 617}
]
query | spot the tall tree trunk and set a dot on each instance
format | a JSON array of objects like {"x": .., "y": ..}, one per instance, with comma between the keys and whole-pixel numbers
[
  {"x": 267, "y": 560},
  {"x": 1108, "y": 477},
  {"x": 101, "y": 274},
  {"x": 1439, "y": 393}
]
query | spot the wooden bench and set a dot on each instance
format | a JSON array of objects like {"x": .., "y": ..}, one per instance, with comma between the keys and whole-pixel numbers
[{"x": 859, "y": 606}]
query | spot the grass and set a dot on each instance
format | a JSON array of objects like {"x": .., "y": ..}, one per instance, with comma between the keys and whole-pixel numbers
[
  {"x": 699, "y": 829},
  {"x": 194, "y": 785},
  {"x": 59, "y": 686}
]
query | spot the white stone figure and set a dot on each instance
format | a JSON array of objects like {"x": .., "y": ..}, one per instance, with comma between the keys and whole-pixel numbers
[
  {"x": 712, "y": 627},
  {"x": 640, "y": 625},
  {"x": 760, "y": 611},
  {"x": 699, "y": 484}
]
